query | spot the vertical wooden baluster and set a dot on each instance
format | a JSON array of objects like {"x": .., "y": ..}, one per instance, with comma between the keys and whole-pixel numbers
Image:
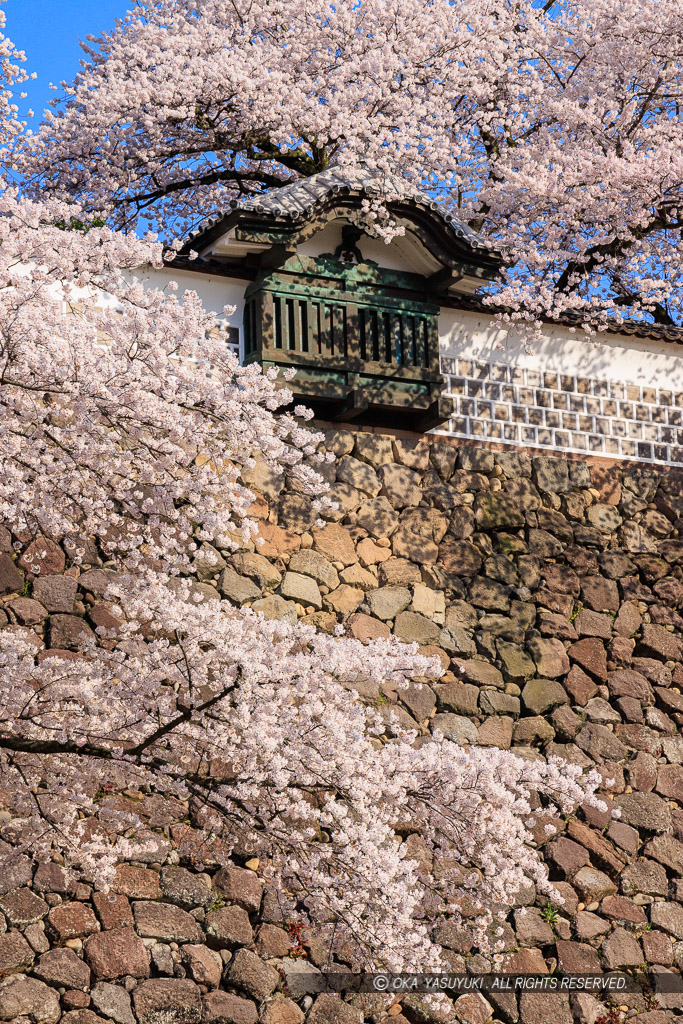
[
  {"x": 419, "y": 341},
  {"x": 389, "y": 354},
  {"x": 326, "y": 333},
  {"x": 352, "y": 332},
  {"x": 267, "y": 334},
  {"x": 432, "y": 345},
  {"x": 308, "y": 326},
  {"x": 375, "y": 335},
  {"x": 293, "y": 334},
  {"x": 362, "y": 333},
  {"x": 396, "y": 333}
]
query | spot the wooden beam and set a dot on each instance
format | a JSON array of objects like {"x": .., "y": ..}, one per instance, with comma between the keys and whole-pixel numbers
[
  {"x": 355, "y": 405},
  {"x": 275, "y": 257},
  {"x": 436, "y": 414},
  {"x": 443, "y": 279}
]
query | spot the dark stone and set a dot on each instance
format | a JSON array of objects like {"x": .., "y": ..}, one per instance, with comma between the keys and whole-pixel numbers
[
  {"x": 56, "y": 593},
  {"x": 185, "y": 887},
  {"x": 11, "y": 579},
  {"x": 590, "y": 655},
  {"x": 22, "y": 907},
  {"x": 656, "y": 641},
  {"x": 550, "y": 474},
  {"x": 249, "y": 973},
  {"x": 330, "y": 1009},
  {"x": 567, "y": 855},
  {"x": 71, "y": 921},
  {"x": 494, "y": 511},
  {"x": 115, "y": 953},
  {"x": 68, "y": 631},
  {"x": 542, "y": 695},
  {"x": 226, "y": 1008},
  {"x": 459, "y": 557},
  {"x": 167, "y": 1001},
  {"x": 240, "y": 885},
  {"x": 600, "y": 594},
  {"x": 15, "y": 954},
  {"x": 229, "y": 927},
  {"x": 577, "y": 958},
  {"x": 600, "y": 743},
  {"x": 62, "y": 967},
  {"x": 627, "y": 683},
  {"x": 15, "y": 870},
  {"x": 164, "y": 922},
  {"x": 644, "y": 810}
]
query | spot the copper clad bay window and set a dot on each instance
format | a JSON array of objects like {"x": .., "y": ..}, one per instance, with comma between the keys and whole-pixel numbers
[{"x": 346, "y": 326}]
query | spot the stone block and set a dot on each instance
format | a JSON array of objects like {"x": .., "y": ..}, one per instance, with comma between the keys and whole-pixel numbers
[
  {"x": 335, "y": 543},
  {"x": 167, "y": 1001},
  {"x": 26, "y": 999},
  {"x": 400, "y": 485},
  {"x": 45, "y": 554},
  {"x": 249, "y": 973},
  {"x": 226, "y": 1008},
  {"x": 229, "y": 927},
  {"x": 71, "y": 921},
  {"x": 549, "y": 657},
  {"x": 312, "y": 563},
  {"x": 359, "y": 475},
  {"x": 257, "y": 567},
  {"x": 186, "y": 888},
  {"x": 22, "y": 907},
  {"x": 644, "y": 810},
  {"x": 550, "y": 474},
  {"x": 385, "y": 603},
  {"x": 68, "y": 632},
  {"x": 373, "y": 448},
  {"x": 238, "y": 589},
  {"x": 668, "y": 917},
  {"x": 113, "y": 1001},
  {"x": 115, "y": 953},
  {"x": 378, "y": 517},
  {"x": 165, "y": 922},
  {"x": 203, "y": 964},
  {"x": 540, "y": 696},
  {"x": 301, "y": 589},
  {"x": 15, "y": 954},
  {"x": 592, "y": 885},
  {"x": 275, "y": 607},
  {"x": 330, "y": 1009},
  {"x": 413, "y": 628},
  {"x": 621, "y": 949},
  {"x": 239, "y": 885},
  {"x": 454, "y": 727},
  {"x": 62, "y": 967}
]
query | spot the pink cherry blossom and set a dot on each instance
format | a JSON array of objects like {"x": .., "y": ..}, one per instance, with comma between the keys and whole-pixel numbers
[
  {"x": 125, "y": 426},
  {"x": 553, "y": 128}
]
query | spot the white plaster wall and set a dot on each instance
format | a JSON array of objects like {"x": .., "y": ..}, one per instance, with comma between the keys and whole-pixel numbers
[
  {"x": 404, "y": 252},
  {"x": 215, "y": 292},
  {"x": 612, "y": 357}
]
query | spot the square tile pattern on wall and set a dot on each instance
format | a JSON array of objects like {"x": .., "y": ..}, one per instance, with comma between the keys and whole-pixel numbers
[{"x": 533, "y": 408}]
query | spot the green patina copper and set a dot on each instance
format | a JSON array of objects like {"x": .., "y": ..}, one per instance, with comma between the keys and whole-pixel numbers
[{"x": 361, "y": 338}]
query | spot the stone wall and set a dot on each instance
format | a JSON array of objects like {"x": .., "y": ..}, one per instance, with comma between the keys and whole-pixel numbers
[{"x": 550, "y": 590}]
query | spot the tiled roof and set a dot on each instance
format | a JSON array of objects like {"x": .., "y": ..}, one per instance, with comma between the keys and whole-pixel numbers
[{"x": 298, "y": 200}]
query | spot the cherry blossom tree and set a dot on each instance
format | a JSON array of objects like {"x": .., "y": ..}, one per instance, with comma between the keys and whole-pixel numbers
[
  {"x": 123, "y": 446},
  {"x": 125, "y": 428},
  {"x": 552, "y": 127}
]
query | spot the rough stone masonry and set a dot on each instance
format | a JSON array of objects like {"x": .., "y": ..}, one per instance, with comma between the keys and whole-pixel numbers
[{"x": 551, "y": 590}]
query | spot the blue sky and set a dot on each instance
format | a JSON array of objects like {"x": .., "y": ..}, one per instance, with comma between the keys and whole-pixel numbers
[{"x": 49, "y": 30}]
